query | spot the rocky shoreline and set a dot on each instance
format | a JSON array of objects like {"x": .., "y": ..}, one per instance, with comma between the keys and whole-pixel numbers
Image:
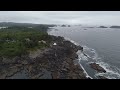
[
  {"x": 97, "y": 67},
  {"x": 59, "y": 61},
  {"x": 55, "y": 62}
]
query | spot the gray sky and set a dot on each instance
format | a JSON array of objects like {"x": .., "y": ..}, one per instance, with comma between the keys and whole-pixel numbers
[{"x": 62, "y": 17}]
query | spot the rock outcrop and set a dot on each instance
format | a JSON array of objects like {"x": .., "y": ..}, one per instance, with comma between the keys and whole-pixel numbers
[
  {"x": 115, "y": 27},
  {"x": 55, "y": 62},
  {"x": 97, "y": 67},
  {"x": 102, "y": 27}
]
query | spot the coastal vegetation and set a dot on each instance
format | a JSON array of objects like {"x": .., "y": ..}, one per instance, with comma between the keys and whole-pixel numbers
[{"x": 17, "y": 40}]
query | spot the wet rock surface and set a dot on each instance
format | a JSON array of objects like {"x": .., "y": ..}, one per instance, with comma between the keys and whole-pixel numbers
[
  {"x": 102, "y": 77},
  {"x": 97, "y": 67},
  {"x": 55, "y": 62}
]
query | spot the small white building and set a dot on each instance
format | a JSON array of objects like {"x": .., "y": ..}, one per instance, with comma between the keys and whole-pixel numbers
[{"x": 54, "y": 44}]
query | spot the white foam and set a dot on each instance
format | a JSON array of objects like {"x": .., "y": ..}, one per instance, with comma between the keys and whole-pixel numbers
[
  {"x": 85, "y": 72},
  {"x": 112, "y": 72},
  {"x": 81, "y": 56},
  {"x": 93, "y": 55}
]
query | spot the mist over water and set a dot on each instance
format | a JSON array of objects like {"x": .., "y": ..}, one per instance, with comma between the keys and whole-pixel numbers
[{"x": 102, "y": 45}]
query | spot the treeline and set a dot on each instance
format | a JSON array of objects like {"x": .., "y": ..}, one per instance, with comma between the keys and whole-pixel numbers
[{"x": 12, "y": 24}]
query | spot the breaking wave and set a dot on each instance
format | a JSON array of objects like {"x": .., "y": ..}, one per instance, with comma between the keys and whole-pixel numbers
[
  {"x": 90, "y": 55},
  {"x": 112, "y": 72},
  {"x": 80, "y": 55}
]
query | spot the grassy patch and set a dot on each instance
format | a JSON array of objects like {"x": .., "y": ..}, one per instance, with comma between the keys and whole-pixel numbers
[{"x": 18, "y": 41}]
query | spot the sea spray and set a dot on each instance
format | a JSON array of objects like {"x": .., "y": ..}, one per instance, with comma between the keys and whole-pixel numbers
[
  {"x": 112, "y": 72},
  {"x": 80, "y": 56}
]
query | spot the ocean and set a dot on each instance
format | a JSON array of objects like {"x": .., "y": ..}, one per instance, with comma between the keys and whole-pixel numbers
[{"x": 102, "y": 45}]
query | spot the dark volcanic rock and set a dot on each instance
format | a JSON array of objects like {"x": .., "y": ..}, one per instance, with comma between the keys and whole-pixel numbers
[
  {"x": 56, "y": 75},
  {"x": 19, "y": 75},
  {"x": 97, "y": 67},
  {"x": 63, "y": 25},
  {"x": 115, "y": 27},
  {"x": 80, "y": 48},
  {"x": 55, "y": 62},
  {"x": 102, "y": 27},
  {"x": 9, "y": 70}
]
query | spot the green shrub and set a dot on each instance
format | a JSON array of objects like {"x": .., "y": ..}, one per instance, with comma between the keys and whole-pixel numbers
[
  {"x": 12, "y": 49},
  {"x": 16, "y": 41}
]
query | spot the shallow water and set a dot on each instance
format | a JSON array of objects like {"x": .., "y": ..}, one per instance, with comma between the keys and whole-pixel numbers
[{"x": 102, "y": 45}]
